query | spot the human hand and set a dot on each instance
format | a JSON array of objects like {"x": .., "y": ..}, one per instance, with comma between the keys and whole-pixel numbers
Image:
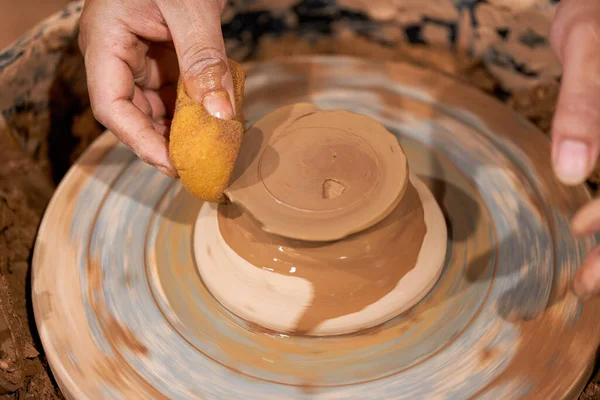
[
  {"x": 575, "y": 38},
  {"x": 135, "y": 51}
]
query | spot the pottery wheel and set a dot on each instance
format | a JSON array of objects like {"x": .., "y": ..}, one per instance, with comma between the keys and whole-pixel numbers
[{"x": 123, "y": 313}]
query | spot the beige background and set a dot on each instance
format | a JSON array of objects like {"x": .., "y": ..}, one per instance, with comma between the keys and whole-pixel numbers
[{"x": 17, "y": 16}]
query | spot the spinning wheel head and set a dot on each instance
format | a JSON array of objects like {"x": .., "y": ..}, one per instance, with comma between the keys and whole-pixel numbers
[{"x": 116, "y": 264}]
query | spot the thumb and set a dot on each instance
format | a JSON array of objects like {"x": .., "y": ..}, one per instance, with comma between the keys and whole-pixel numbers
[{"x": 195, "y": 27}]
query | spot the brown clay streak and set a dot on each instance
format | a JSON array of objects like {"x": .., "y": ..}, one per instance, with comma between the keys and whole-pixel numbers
[
  {"x": 346, "y": 275},
  {"x": 109, "y": 367}
]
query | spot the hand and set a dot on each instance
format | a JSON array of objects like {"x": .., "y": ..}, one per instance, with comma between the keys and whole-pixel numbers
[
  {"x": 135, "y": 51},
  {"x": 575, "y": 38}
]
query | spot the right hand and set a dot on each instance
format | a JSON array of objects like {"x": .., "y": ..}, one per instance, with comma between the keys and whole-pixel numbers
[
  {"x": 135, "y": 51},
  {"x": 575, "y": 37}
]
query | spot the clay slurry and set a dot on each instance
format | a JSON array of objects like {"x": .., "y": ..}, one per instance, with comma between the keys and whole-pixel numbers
[
  {"x": 325, "y": 168},
  {"x": 346, "y": 275}
]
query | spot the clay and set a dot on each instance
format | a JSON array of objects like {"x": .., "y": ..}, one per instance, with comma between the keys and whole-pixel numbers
[
  {"x": 304, "y": 287},
  {"x": 209, "y": 82},
  {"x": 204, "y": 148},
  {"x": 364, "y": 267},
  {"x": 323, "y": 197},
  {"x": 293, "y": 160},
  {"x": 24, "y": 193}
]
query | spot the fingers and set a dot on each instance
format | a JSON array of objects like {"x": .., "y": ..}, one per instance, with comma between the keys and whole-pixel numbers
[
  {"x": 587, "y": 219},
  {"x": 115, "y": 110},
  {"x": 159, "y": 68},
  {"x": 156, "y": 104},
  {"x": 195, "y": 27},
  {"x": 141, "y": 101},
  {"x": 115, "y": 58},
  {"x": 587, "y": 279},
  {"x": 587, "y": 222},
  {"x": 109, "y": 59},
  {"x": 575, "y": 38},
  {"x": 576, "y": 127}
]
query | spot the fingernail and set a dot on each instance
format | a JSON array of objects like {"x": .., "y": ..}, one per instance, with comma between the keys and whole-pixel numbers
[
  {"x": 571, "y": 161},
  {"x": 218, "y": 105}
]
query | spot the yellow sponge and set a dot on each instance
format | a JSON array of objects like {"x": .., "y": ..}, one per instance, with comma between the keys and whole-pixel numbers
[{"x": 204, "y": 148}]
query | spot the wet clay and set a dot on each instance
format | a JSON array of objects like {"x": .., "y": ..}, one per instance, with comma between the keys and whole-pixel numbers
[
  {"x": 346, "y": 275},
  {"x": 315, "y": 175},
  {"x": 208, "y": 81},
  {"x": 322, "y": 288},
  {"x": 302, "y": 208}
]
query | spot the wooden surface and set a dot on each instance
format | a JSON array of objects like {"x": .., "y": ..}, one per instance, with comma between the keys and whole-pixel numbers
[{"x": 122, "y": 312}]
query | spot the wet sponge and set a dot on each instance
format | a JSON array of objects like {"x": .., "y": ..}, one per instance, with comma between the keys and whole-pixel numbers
[{"x": 203, "y": 148}]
